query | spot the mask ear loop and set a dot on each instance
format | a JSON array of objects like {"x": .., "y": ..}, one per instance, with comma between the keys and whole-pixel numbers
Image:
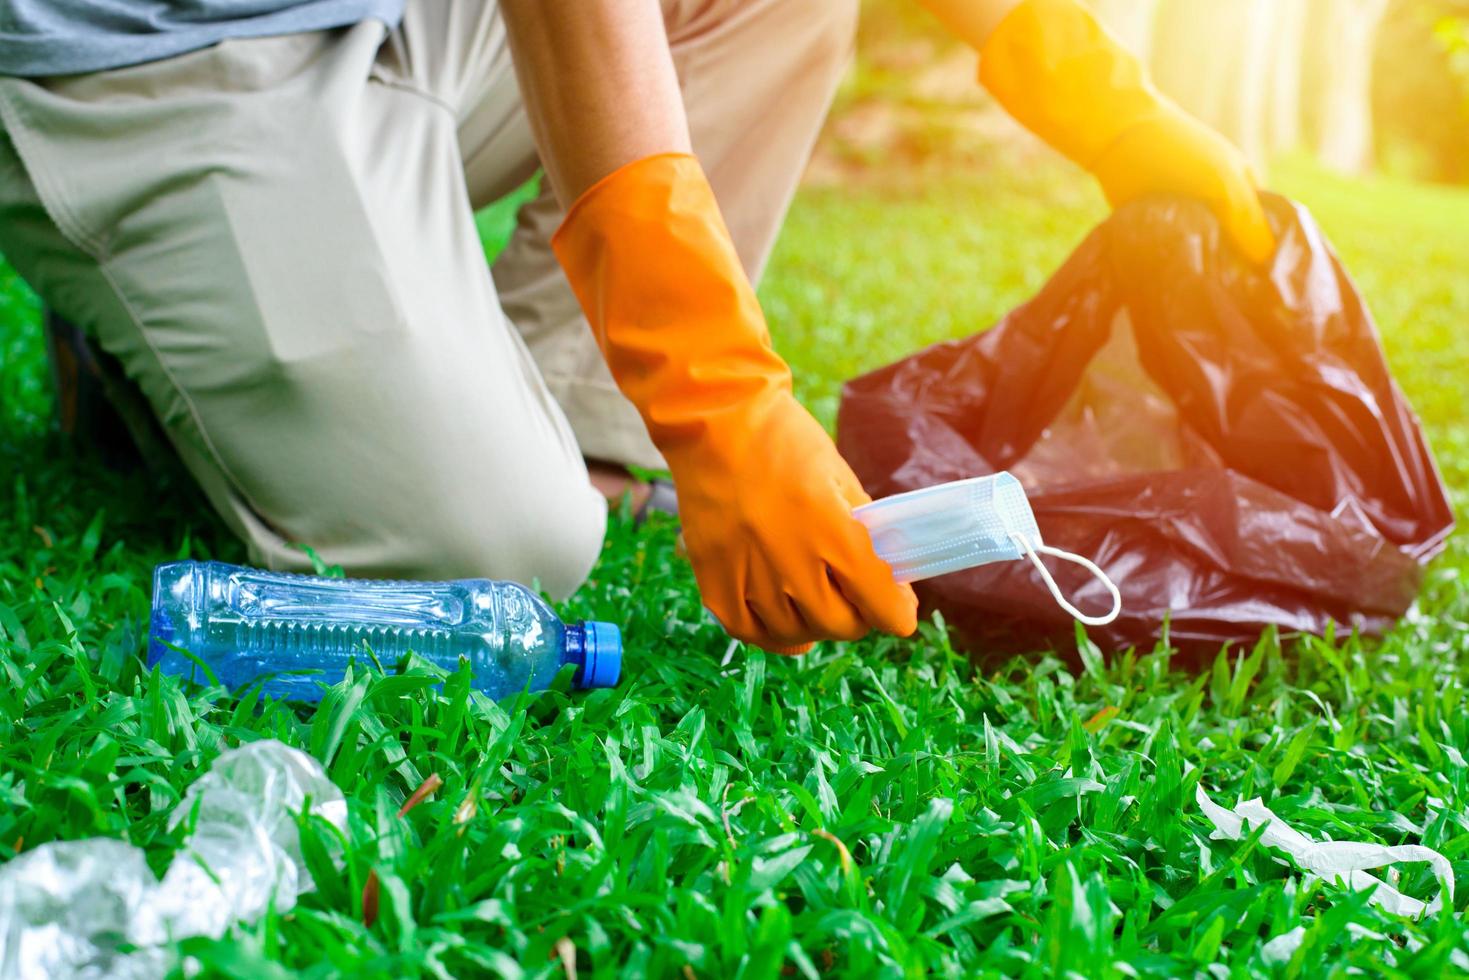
[{"x": 1101, "y": 576}]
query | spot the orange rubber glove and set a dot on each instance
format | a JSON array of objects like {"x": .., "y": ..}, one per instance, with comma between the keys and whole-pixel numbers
[
  {"x": 766, "y": 501},
  {"x": 1054, "y": 68}
]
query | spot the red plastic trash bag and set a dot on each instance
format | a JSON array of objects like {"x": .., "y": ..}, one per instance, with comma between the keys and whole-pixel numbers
[{"x": 1226, "y": 442}]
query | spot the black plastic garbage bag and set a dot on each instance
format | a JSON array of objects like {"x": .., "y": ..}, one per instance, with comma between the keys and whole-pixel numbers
[{"x": 1225, "y": 441}]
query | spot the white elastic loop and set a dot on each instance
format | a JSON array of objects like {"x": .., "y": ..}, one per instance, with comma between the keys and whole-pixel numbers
[{"x": 1045, "y": 549}]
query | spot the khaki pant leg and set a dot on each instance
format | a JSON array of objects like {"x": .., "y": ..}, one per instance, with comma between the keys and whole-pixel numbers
[
  {"x": 459, "y": 54},
  {"x": 275, "y": 240},
  {"x": 758, "y": 77}
]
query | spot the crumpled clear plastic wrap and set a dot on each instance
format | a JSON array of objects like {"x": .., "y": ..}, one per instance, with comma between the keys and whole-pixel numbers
[
  {"x": 1339, "y": 861},
  {"x": 69, "y": 908}
]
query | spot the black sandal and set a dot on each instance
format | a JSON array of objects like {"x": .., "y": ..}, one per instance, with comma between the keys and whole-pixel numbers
[
  {"x": 661, "y": 499},
  {"x": 98, "y": 408}
]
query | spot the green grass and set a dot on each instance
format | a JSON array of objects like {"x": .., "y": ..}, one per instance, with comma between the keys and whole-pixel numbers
[{"x": 873, "y": 808}]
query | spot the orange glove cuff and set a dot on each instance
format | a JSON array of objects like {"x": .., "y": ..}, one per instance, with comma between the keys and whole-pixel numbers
[
  {"x": 1062, "y": 76},
  {"x": 646, "y": 251}
]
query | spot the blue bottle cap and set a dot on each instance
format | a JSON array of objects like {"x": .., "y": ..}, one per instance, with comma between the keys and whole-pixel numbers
[{"x": 602, "y": 665}]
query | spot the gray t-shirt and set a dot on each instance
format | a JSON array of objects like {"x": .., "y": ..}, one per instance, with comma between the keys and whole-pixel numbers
[{"x": 65, "y": 37}]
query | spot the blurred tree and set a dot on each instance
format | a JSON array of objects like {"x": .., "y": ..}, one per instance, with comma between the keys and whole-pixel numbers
[
  {"x": 1216, "y": 59},
  {"x": 1287, "y": 65},
  {"x": 1345, "y": 32},
  {"x": 1131, "y": 21},
  {"x": 1421, "y": 90}
]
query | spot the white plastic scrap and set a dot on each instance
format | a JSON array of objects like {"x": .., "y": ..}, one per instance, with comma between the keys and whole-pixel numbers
[
  {"x": 1278, "y": 951},
  {"x": 1341, "y": 862},
  {"x": 68, "y": 907}
]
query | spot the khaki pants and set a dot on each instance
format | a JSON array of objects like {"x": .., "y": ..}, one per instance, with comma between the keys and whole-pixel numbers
[{"x": 275, "y": 239}]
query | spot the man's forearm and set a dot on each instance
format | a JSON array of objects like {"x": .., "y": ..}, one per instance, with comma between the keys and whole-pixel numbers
[
  {"x": 972, "y": 21},
  {"x": 598, "y": 83}
]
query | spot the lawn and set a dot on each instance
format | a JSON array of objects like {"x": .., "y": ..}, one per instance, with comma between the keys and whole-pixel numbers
[{"x": 872, "y": 808}]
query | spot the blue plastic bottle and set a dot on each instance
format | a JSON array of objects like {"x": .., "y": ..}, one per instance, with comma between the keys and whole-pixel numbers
[{"x": 246, "y": 623}]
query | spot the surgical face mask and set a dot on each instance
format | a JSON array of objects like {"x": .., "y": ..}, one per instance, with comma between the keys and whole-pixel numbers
[{"x": 960, "y": 525}]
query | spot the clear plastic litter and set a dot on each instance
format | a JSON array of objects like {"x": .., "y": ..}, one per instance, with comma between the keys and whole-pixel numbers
[
  {"x": 1344, "y": 863},
  {"x": 296, "y": 634},
  {"x": 1278, "y": 951},
  {"x": 93, "y": 908}
]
